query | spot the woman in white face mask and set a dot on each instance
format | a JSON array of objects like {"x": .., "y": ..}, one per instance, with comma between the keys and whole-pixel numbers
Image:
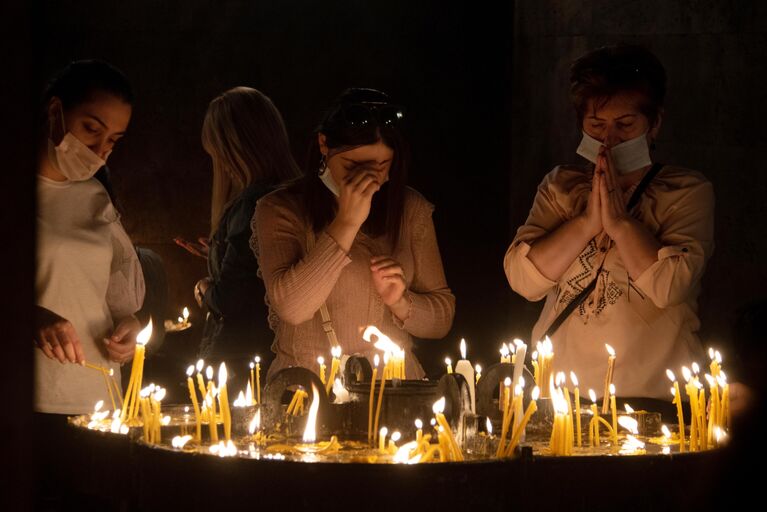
[
  {"x": 89, "y": 281},
  {"x": 351, "y": 244},
  {"x": 618, "y": 247}
]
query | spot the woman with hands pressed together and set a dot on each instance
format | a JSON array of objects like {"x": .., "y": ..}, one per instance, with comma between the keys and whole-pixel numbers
[
  {"x": 354, "y": 237},
  {"x": 617, "y": 249}
]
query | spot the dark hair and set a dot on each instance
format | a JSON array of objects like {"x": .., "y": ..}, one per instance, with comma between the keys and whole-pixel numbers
[
  {"x": 388, "y": 203},
  {"x": 76, "y": 83},
  {"x": 609, "y": 70}
]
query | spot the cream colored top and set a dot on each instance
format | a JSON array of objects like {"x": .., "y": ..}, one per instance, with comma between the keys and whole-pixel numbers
[
  {"x": 298, "y": 283},
  {"x": 651, "y": 322},
  {"x": 88, "y": 273}
]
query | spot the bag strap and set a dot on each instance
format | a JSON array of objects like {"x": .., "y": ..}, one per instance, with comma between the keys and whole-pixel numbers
[
  {"x": 577, "y": 301},
  {"x": 327, "y": 324}
]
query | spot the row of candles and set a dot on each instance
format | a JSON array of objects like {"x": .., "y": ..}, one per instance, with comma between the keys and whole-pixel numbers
[{"x": 709, "y": 417}]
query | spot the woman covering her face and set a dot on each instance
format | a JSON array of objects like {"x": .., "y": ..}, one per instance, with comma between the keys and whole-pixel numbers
[
  {"x": 89, "y": 281},
  {"x": 245, "y": 136},
  {"x": 350, "y": 234},
  {"x": 639, "y": 260}
]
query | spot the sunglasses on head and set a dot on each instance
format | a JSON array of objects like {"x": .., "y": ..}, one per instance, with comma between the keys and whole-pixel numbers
[{"x": 360, "y": 115}]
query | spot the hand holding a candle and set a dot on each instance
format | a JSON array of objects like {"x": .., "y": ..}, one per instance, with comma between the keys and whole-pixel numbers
[
  {"x": 57, "y": 337},
  {"x": 200, "y": 249},
  {"x": 122, "y": 343}
]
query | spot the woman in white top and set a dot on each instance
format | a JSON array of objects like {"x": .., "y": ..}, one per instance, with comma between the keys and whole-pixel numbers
[
  {"x": 89, "y": 281},
  {"x": 645, "y": 259}
]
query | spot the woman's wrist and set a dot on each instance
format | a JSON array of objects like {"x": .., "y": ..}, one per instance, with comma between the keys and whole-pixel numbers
[{"x": 401, "y": 308}]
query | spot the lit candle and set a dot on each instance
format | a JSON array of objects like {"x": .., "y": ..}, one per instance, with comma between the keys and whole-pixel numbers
[
  {"x": 376, "y": 360},
  {"x": 131, "y": 405},
  {"x": 725, "y": 414},
  {"x": 712, "y": 407},
  {"x": 321, "y": 362},
  {"x": 478, "y": 375},
  {"x": 195, "y": 405},
  {"x": 614, "y": 414},
  {"x": 693, "y": 397},
  {"x": 223, "y": 400},
  {"x": 505, "y": 420},
  {"x": 518, "y": 380},
  {"x": 545, "y": 359},
  {"x": 536, "y": 369},
  {"x": 384, "y": 376},
  {"x": 505, "y": 358},
  {"x": 310, "y": 432},
  {"x": 258, "y": 380},
  {"x": 252, "y": 383},
  {"x": 418, "y": 431},
  {"x": 200, "y": 383},
  {"x": 185, "y": 315},
  {"x": 678, "y": 401},
  {"x": 438, "y": 408},
  {"x": 334, "y": 365},
  {"x": 568, "y": 418},
  {"x": 574, "y": 380},
  {"x": 393, "y": 439},
  {"x": 608, "y": 376},
  {"x": 449, "y": 363},
  {"x": 463, "y": 367},
  {"x": 531, "y": 408}
]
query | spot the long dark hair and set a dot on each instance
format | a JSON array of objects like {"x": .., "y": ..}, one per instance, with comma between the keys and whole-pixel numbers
[{"x": 389, "y": 202}]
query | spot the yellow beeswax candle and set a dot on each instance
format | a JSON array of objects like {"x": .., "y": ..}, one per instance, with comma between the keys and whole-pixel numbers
[
  {"x": 680, "y": 416},
  {"x": 258, "y": 380},
  {"x": 195, "y": 405},
  {"x": 505, "y": 420},
  {"x": 578, "y": 438},
  {"x": 376, "y": 361},
  {"x": 384, "y": 376},
  {"x": 520, "y": 428},
  {"x": 334, "y": 365},
  {"x": 223, "y": 400},
  {"x": 614, "y": 414},
  {"x": 608, "y": 376}
]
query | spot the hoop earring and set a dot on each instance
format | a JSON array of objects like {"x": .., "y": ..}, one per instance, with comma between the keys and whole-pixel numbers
[{"x": 323, "y": 166}]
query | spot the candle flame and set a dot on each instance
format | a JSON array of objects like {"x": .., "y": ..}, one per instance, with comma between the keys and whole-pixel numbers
[
  {"x": 629, "y": 409},
  {"x": 165, "y": 421},
  {"x": 200, "y": 364},
  {"x": 336, "y": 351},
  {"x": 488, "y": 426},
  {"x": 190, "y": 371},
  {"x": 522, "y": 381},
  {"x": 670, "y": 375},
  {"x": 718, "y": 357},
  {"x": 159, "y": 394},
  {"x": 98, "y": 406},
  {"x": 439, "y": 406},
  {"x": 382, "y": 433},
  {"x": 241, "y": 400},
  {"x": 666, "y": 431},
  {"x": 209, "y": 372},
  {"x": 433, "y": 422},
  {"x": 248, "y": 394},
  {"x": 463, "y": 348},
  {"x": 504, "y": 350},
  {"x": 180, "y": 441},
  {"x": 252, "y": 365},
  {"x": 222, "y": 375},
  {"x": 145, "y": 334},
  {"x": 507, "y": 382},
  {"x": 519, "y": 343},
  {"x": 534, "y": 356},
  {"x": 478, "y": 369},
  {"x": 395, "y": 436},
  {"x": 383, "y": 343},
  {"x": 710, "y": 380},
  {"x": 612, "y": 389},
  {"x": 711, "y": 353},
  {"x": 574, "y": 379},
  {"x": 695, "y": 368},
  {"x": 310, "y": 433},
  {"x": 592, "y": 395},
  {"x": 629, "y": 424},
  {"x": 186, "y": 313},
  {"x": 320, "y": 360},
  {"x": 518, "y": 390},
  {"x": 448, "y": 361},
  {"x": 418, "y": 424},
  {"x": 561, "y": 378},
  {"x": 610, "y": 350},
  {"x": 723, "y": 376},
  {"x": 376, "y": 360},
  {"x": 686, "y": 374},
  {"x": 258, "y": 359},
  {"x": 536, "y": 393},
  {"x": 255, "y": 422},
  {"x": 403, "y": 454}
]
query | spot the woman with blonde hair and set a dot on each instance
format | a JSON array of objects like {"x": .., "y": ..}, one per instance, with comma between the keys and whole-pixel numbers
[{"x": 244, "y": 134}]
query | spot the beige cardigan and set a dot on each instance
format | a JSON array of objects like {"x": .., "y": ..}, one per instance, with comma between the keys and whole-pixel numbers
[
  {"x": 298, "y": 283},
  {"x": 651, "y": 322}
]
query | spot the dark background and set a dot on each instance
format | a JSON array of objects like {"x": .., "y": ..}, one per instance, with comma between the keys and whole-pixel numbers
[{"x": 486, "y": 89}]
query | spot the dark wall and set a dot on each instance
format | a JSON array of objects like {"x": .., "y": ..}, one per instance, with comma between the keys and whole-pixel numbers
[
  {"x": 715, "y": 110},
  {"x": 447, "y": 64}
]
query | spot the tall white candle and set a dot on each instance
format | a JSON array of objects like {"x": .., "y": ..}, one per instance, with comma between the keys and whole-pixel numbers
[{"x": 463, "y": 366}]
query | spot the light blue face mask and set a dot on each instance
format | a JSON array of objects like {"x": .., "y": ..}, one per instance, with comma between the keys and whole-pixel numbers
[
  {"x": 627, "y": 156},
  {"x": 327, "y": 178}
]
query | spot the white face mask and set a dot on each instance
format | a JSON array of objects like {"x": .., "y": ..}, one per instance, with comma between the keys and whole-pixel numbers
[
  {"x": 327, "y": 178},
  {"x": 72, "y": 158},
  {"x": 627, "y": 156}
]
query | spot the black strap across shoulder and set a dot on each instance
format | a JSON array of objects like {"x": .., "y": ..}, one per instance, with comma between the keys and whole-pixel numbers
[{"x": 633, "y": 201}]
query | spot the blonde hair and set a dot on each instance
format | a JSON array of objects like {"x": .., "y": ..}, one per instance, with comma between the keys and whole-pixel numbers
[{"x": 245, "y": 136}]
